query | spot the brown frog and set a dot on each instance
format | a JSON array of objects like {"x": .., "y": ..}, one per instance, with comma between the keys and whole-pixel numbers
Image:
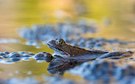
[
  {"x": 68, "y": 56},
  {"x": 60, "y": 64},
  {"x": 62, "y": 48}
]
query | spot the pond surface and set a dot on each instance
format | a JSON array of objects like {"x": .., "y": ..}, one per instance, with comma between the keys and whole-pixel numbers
[{"x": 115, "y": 19}]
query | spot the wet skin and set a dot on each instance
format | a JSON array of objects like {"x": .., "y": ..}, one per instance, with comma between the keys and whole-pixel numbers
[
  {"x": 64, "y": 49},
  {"x": 71, "y": 56},
  {"x": 60, "y": 64}
]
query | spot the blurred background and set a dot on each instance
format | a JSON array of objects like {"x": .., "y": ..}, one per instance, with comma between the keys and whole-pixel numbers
[
  {"x": 115, "y": 18},
  {"x": 17, "y": 13}
]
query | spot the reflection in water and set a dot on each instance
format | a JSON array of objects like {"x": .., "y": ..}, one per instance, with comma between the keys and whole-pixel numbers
[{"x": 17, "y": 13}]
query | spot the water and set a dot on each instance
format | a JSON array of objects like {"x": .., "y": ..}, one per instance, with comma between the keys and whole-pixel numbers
[{"x": 19, "y": 13}]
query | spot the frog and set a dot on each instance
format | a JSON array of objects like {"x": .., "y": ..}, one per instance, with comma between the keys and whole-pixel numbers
[
  {"x": 64, "y": 49},
  {"x": 59, "y": 64},
  {"x": 67, "y": 56}
]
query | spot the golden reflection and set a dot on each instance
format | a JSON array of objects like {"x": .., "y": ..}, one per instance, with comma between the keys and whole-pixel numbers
[{"x": 17, "y": 13}]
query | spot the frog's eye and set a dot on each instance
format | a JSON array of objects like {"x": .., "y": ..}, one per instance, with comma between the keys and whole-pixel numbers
[{"x": 61, "y": 41}]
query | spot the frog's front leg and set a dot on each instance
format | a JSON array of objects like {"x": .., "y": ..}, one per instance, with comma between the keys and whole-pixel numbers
[{"x": 116, "y": 55}]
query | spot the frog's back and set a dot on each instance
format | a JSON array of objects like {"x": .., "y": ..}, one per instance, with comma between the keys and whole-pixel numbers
[{"x": 76, "y": 51}]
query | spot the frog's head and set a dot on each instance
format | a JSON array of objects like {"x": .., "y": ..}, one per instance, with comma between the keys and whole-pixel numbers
[{"x": 57, "y": 45}]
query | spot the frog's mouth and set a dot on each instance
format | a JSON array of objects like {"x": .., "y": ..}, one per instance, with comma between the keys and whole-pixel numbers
[{"x": 56, "y": 48}]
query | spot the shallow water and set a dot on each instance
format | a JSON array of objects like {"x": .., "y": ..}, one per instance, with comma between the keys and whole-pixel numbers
[{"x": 18, "y": 13}]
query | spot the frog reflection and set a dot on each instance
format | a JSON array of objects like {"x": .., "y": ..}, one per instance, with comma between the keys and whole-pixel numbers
[{"x": 68, "y": 56}]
